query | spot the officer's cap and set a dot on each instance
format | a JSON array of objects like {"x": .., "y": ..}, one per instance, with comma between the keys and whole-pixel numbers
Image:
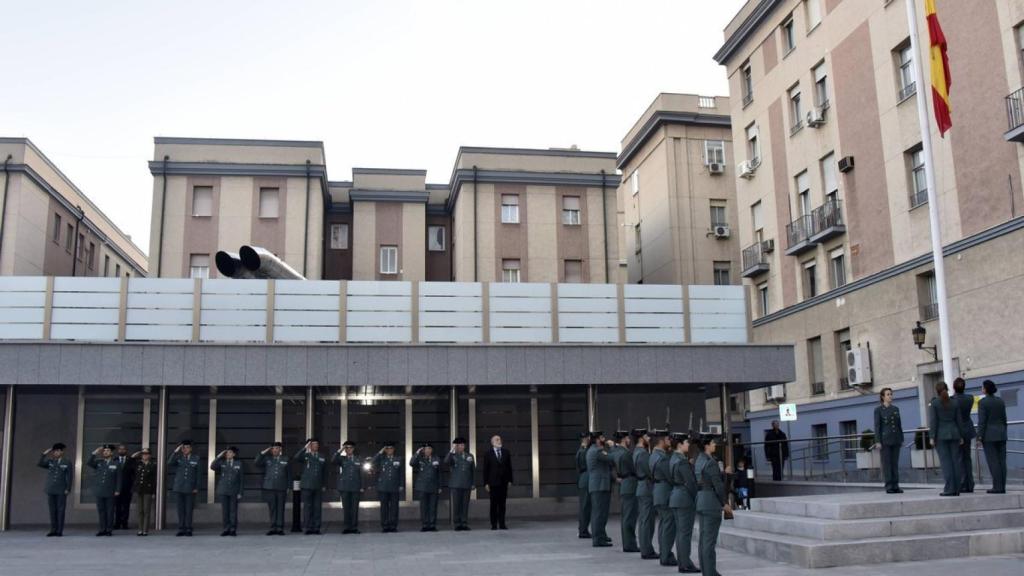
[
  {"x": 706, "y": 439},
  {"x": 638, "y": 432},
  {"x": 658, "y": 433},
  {"x": 459, "y": 440},
  {"x": 596, "y": 434},
  {"x": 619, "y": 435},
  {"x": 389, "y": 444},
  {"x": 186, "y": 442},
  {"x": 584, "y": 435},
  {"x": 233, "y": 449},
  {"x": 426, "y": 445},
  {"x": 277, "y": 445},
  {"x": 110, "y": 446},
  {"x": 311, "y": 440},
  {"x": 145, "y": 451},
  {"x": 58, "y": 446},
  {"x": 348, "y": 443}
]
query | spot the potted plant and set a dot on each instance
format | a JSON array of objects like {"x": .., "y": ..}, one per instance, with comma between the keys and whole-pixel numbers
[
  {"x": 867, "y": 457},
  {"x": 923, "y": 455}
]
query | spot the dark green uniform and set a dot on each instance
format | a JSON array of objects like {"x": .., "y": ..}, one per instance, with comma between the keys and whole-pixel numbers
[
  {"x": 599, "y": 484},
  {"x": 644, "y": 501},
  {"x": 947, "y": 432},
  {"x": 184, "y": 486},
  {"x": 312, "y": 483},
  {"x": 229, "y": 490},
  {"x": 582, "y": 493},
  {"x": 350, "y": 487},
  {"x": 683, "y": 502},
  {"x": 626, "y": 469},
  {"x": 105, "y": 482},
  {"x": 275, "y": 487},
  {"x": 390, "y": 476},
  {"x": 710, "y": 500},
  {"x": 666, "y": 520},
  {"x": 965, "y": 402},
  {"x": 56, "y": 488},
  {"x": 889, "y": 434},
  {"x": 144, "y": 487},
  {"x": 426, "y": 485},
  {"x": 992, "y": 433},
  {"x": 461, "y": 471}
]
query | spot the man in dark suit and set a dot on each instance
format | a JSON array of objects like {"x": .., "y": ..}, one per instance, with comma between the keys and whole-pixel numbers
[
  {"x": 776, "y": 449},
  {"x": 123, "y": 502},
  {"x": 965, "y": 403},
  {"x": 992, "y": 435},
  {"x": 497, "y": 472}
]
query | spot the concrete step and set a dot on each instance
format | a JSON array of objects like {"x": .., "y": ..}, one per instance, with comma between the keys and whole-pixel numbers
[
  {"x": 809, "y": 553},
  {"x": 895, "y": 526},
  {"x": 881, "y": 505}
]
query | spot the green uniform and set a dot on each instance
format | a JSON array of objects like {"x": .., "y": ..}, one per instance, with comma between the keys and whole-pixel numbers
[
  {"x": 56, "y": 488},
  {"x": 390, "y": 477},
  {"x": 710, "y": 500},
  {"x": 350, "y": 487},
  {"x": 426, "y": 485},
  {"x": 461, "y": 471},
  {"x": 184, "y": 486},
  {"x": 992, "y": 433},
  {"x": 626, "y": 470},
  {"x": 229, "y": 489},
  {"x": 144, "y": 486},
  {"x": 947, "y": 432},
  {"x": 683, "y": 502},
  {"x": 312, "y": 483},
  {"x": 666, "y": 520},
  {"x": 599, "y": 484},
  {"x": 583, "y": 493},
  {"x": 275, "y": 486},
  {"x": 105, "y": 482},
  {"x": 965, "y": 403},
  {"x": 889, "y": 434},
  {"x": 644, "y": 502}
]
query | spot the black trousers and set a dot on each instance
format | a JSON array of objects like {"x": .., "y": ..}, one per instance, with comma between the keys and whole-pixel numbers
[
  {"x": 229, "y": 512},
  {"x": 995, "y": 454},
  {"x": 58, "y": 504},
  {"x": 777, "y": 469},
  {"x": 312, "y": 509},
  {"x": 388, "y": 510},
  {"x": 186, "y": 503},
  {"x": 350, "y": 504},
  {"x": 460, "y": 506},
  {"x": 275, "y": 506},
  {"x": 428, "y": 509},
  {"x": 966, "y": 470},
  {"x": 891, "y": 466},
  {"x": 105, "y": 509},
  {"x": 122, "y": 508},
  {"x": 499, "y": 495}
]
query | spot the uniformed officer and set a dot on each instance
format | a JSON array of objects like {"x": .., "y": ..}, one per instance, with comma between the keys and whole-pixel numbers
[
  {"x": 582, "y": 491},
  {"x": 992, "y": 435},
  {"x": 350, "y": 484},
  {"x": 390, "y": 482},
  {"x": 683, "y": 500},
  {"x": 599, "y": 483},
  {"x": 965, "y": 403},
  {"x": 710, "y": 503},
  {"x": 461, "y": 471},
  {"x": 275, "y": 484},
  {"x": 644, "y": 495},
  {"x": 947, "y": 436},
  {"x": 57, "y": 485},
  {"x": 427, "y": 485},
  {"x": 105, "y": 482},
  {"x": 144, "y": 486},
  {"x": 889, "y": 439},
  {"x": 313, "y": 482},
  {"x": 123, "y": 502},
  {"x": 185, "y": 484},
  {"x": 662, "y": 490},
  {"x": 229, "y": 487},
  {"x": 626, "y": 471}
]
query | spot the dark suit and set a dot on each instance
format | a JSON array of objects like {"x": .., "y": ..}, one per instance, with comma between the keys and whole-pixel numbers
[
  {"x": 947, "y": 431},
  {"x": 965, "y": 403},
  {"x": 776, "y": 450},
  {"x": 992, "y": 433},
  {"x": 497, "y": 475},
  {"x": 123, "y": 502}
]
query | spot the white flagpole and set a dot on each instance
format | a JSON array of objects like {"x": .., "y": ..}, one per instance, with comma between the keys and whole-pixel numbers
[{"x": 923, "y": 94}]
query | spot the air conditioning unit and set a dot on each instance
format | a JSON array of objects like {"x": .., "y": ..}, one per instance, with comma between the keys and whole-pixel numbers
[
  {"x": 846, "y": 164},
  {"x": 722, "y": 231},
  {"x": 858, "y": 366},
  {"x": 745, "y": 169},
  {"x": 816, "y": 117},
  {"x": 714, "y": 429},
  {"x": 768, "y": 246},
  {"x": 716, "y": 168},
  {"x": 776, "y": 393}
]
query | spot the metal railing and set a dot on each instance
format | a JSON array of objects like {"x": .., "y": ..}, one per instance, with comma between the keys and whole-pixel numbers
[
  {"x": 1015, "y": 109},
  {"x": 908, "y": 91},
  {"x": 918, "y": 198},
  {"x": 754, "y": 256},
  {"x": 799, "y": 230},
  {"x": 828, "y": 215},
  {"x": 929, "y": 312}
]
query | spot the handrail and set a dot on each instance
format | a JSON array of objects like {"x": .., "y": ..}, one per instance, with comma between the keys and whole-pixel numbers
[{"x": 860, "y": 434}]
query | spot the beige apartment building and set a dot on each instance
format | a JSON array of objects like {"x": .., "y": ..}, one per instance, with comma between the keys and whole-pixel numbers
[
  {"x": 833, "y": 214},
  {"x": 48, "y": 227}
]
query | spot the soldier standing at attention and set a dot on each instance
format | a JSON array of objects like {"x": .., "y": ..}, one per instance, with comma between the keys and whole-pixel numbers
[
  {"x": 57, "y": 486},
  {"x": 123, "y": 502},
  {"x": 626, "y": 471},
  {"x": 461, "y": 470},
  {"x": 947, "y": 431},
  {"x": 229, "y": 488},
  {"x": 888, "y": 439},
  {"x": 683, "y": 500},
  {"x": 350, "y": 484},
  {"x": 599, "y": 483},
  {"x": 662, "y": 490},
  {"x": 583, "y": 493},
  {"x": 144, "y": 486},
  {"x": 275, "y": 484},
  {"x": 185, "y": 485},
  {"x": 644, "y": 495},
  {"x": 312, "y": 483},
  {"x": 992, "y": 435},
  {"x": 965, "y": 402},
  {"x": 390, "y": 478},
  {"x": 427, "y": 485},
  {"x": 105, "y": 482},
  {"x": 710, "y": 503}
]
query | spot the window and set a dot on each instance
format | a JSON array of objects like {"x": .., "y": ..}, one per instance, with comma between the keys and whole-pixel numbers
[
  {"x": 705, "y": 101},
  {"x": 117, "y": 270},
  {"x": 905, "y": 71},
  {"x": 268, "y": 202},
  {"x": 829, "y": 178},
  {"x": 813, "y": 13},
  {"x": 714, "y": 152},
  {"x": 927, "y": 296},
  {"x": 56, "y": 228},
  {"x": 803, "y": 194},
  {"x": 842, "y": 347},
  {"x": 634, "y": 181},
  {"x": 202, "y": 201},
  {"x": 796, "y": 110},
  {"x": 106, "y": 265},
  {"x": 199, "y": 266},
  {"x": 339, "y": 236},
  {"x": 810, "y": 279},
  {"x": 819, "y": 447},
  {"x": 755, "y": 220},
  {"x": 762, "y": 298},
  {"x": 435, "y": 238},
  {"x": 821, "y": 96},
  {"x": 721, "y": 272},
  {"x": 718, "y": 217},
  {"x": 747, "y": 83},
  {"x": 753, "y": 146},
  {"x": 509, "y": 209},
  {"x": 389, "y": 259},
  {"x": 918, "y": 180},
  {"x": 510, "y": 270},
  {"x": 573, "y": 271},
  {"x": 838, "y": 268},
  {"x": 68, "y": 235},
  {"x": 80, "y": 247},
  {"x": 571, "y": 210},
  {"x": 788, "y": 36},
  {"x": 91, "y": 256},
  {"x": 814, "y": 367},
  {"x": 636, "y": 238},
  {"x": 851, "y": 440},
  {"x": 1019, "y": 35}
]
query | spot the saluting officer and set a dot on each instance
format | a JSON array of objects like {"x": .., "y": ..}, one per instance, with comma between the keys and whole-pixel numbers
[
  {"x": 644, "y": 495},
  {"x": 185, "y": 485},
  {"x": 662, "y": 490},
  {"x": 683, "y": 500},
  {"x": 229, "y": 487},
  {"x": 710, "y": 502},
  {"x": 105, "y": 486},
  {"x": 583, "y": 493},
  {"x": 461, "y": 471},
  {"x": 275, "y": 484},
  {"x": 599, "y": 483},
  {"x": 312, "y": 483},
  {"x": 144, "y": 486},
  {"x": 626, "y": 470},
  {"x": 390, "y": 480},
  {"x": 889, "y": 439},
  {"x": 992, "y": 435},
  {"x": 350, "y": 484},
  {"x": 57, "y": 486},
  {"x": 427, "y": 485}
]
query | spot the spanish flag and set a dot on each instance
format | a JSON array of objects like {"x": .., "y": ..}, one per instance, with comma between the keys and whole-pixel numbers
[{"x": 941, "y": 79}]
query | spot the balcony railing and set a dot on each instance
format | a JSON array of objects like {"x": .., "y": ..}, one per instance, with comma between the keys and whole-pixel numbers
[
  {"x": 799, "y": 233},
  {"x": 817, "y": 388},
  {"x": 755, "y": 259},
  {"x": 929, "y": 312},
  {"x": 908, "y": 91},
  {"x": 1015, "y": 116},
  {"x": 828, "y": 221}
]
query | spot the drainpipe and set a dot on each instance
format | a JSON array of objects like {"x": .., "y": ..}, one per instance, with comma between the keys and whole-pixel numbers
[
  {"x": 163, "y": 212},
  {"x": 604, "y": 224},
  {"x": 76, "y": 247},
  {"x": 305, "y": 229},
  {"x": 476, "y": 240},
  {"x": 3, "y": 209}
]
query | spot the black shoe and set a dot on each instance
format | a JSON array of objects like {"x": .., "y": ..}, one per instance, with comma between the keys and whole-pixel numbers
[
  {"x": 494, "y": 527},
  {"x": 970, "y": 491},
  {"x": 50, "y": 534},
  {"x": 180, "y": 533},
  {"x": 188, "y": 533},
  {"x": 356, "y": 531},
  {"x": 890, "y": 491},
  {"x": 101, "y": 533},
  {"x": 232, "y": 533},
  {"x": 995, "y": 491},
  {"x": 141, "y": 533},
  {"x": 649, "y": 556},
  {"x": 630, "y": 550},
  {"x": 689, "y": 570},
  {"x": 671, "y": 562},
  {"x": 950, "y": 494},
  {"x": 308, "y": 532},
  {"x": 225, "y": 533},
  {"x": 432, "y": 529},
  {"x": 601, "y": 544},
  {"x": 280, "y": 532},
  {"x": 502, "y": 527},
  {"x": 583, "y": 535},
  {"x": 897, "y": 491},
  {"x": 271, "y": 532},
  {"x": 109, "y": 533},
  {"x": 346, "y": 531},
  {"x": 59, "y": 534}
]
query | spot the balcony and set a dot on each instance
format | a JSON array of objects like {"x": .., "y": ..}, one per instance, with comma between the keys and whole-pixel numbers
[
  {"x": 929, "y": 311},
  {"x": 828, "y": 221},
  {"x": 1015, "y": 115},
  {"x": 755, "y": 258},
  {"x": 799, "y": 233}
]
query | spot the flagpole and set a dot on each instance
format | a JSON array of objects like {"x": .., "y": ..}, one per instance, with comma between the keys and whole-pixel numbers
[{"x": 923, "y": 92}]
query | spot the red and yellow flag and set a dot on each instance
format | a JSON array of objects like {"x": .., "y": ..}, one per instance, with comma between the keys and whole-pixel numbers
[{"x": 941, "y": 79}]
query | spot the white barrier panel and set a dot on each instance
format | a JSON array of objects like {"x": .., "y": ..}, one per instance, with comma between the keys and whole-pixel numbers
[
  {"x": 654, "y": 313},
  {"x": 86, "y": 309},
  {"x": 378, "y": 312},
  {"x": 233, "y": 311},
  {"x": 588, "y": 313},
  {"x": 450, "y": 312},
  {"x": 22, "y": 301},
  {"x": 159, "y": 309},
  {"x": 520, "y": 312},
  {"x": 718, "y": 314},
  {"x": 306, "y": 310}
]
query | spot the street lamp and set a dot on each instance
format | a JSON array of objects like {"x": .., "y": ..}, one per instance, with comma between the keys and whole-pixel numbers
[{"x": 920, "y": 333}]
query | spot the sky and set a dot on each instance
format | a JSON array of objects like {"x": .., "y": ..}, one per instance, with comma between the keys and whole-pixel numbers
[{"x": 383, "y": 83}]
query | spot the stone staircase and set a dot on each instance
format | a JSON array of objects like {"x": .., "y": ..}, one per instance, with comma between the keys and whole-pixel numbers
[{"x": 821, "y": 531}]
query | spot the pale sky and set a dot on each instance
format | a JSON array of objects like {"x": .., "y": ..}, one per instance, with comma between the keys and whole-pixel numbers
[{"x": 384, "y": 84}]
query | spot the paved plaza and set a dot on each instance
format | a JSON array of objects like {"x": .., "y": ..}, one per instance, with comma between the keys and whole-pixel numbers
[{"x": 534, "y": 548}]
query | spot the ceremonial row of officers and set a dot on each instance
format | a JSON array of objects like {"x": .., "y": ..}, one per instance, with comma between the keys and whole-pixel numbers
[{"x": 668, "y": 480}]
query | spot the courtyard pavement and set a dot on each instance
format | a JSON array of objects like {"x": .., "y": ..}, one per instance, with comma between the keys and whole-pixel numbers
[{"x": 530, "y": 548}]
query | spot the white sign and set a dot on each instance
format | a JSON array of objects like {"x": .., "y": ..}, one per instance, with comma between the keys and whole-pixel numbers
[{"x": 787, "y": 412}]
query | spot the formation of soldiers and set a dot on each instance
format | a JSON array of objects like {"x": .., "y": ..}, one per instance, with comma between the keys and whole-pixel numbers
[{"x": 666, "y": 479}]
